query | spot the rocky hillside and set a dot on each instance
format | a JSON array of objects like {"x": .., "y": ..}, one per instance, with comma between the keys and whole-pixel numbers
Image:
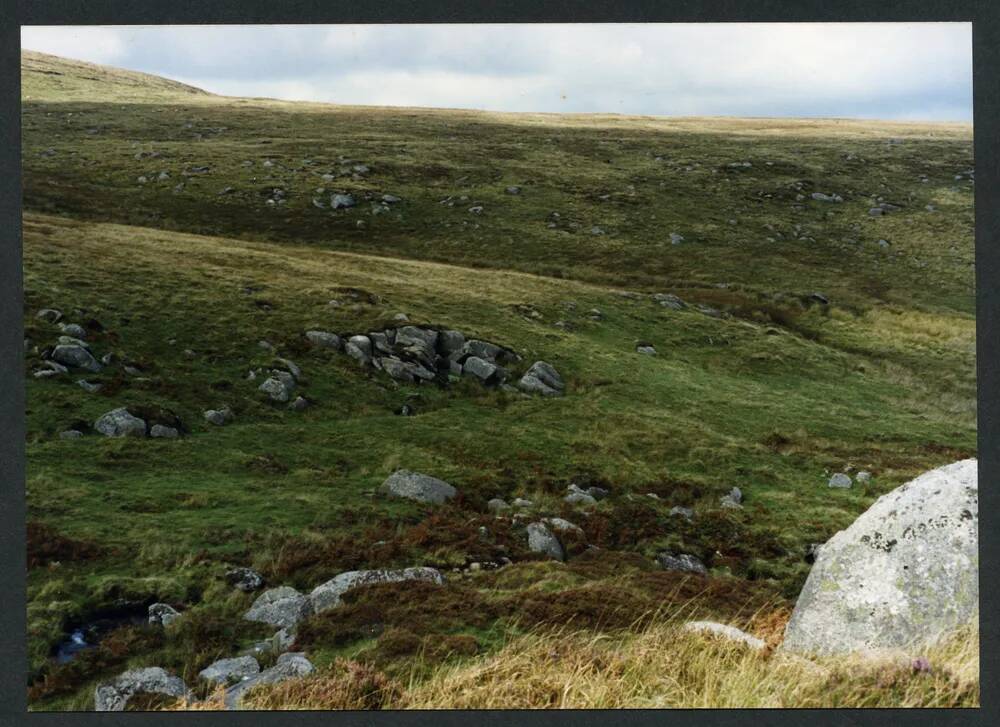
[{"x": 590, "y": 369}]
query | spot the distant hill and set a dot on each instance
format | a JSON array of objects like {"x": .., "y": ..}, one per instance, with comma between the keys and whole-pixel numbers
[{"x": 48, "y": 77}]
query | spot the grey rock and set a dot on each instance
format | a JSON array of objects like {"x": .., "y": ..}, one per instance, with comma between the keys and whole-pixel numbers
[
  {"x": 300, "y": 404},
  {"x": 75, "y": 356},
  {"x": 646, "y": 350},
  {"x": 381, "y": 341},
  {"x": 225, "y": 671},
  {"x": 391, "y": 199},
  {"x": 89, "y": 387},
  {"x": 119, "y": 423},
  {"x": 579, "y": 498},
  {"x": 542, "y": 378},
  {"x": 328, "y": 595},
  {"x": 681, "y": 562},
  {"x": 482, "y": 370},
  {"x": 730, "y": 633},
  {"x": 324, "y": 339},
  {"x": 482, "y": 349},
  {"x": 450, "y": 342},
  {"x": 875, "y": 212},
  {"x": 45, "y": 374},
  {"x": 418, "y": 487},
  {"x": 290, "y": 366},
  {"x": 903, "y": 575},
  {"x": 562, "y": 526},
  {"x": 288, "y": 666},
  {"x": 70, "y": 341},
  {"x": 342, "y": 201},
  {"x": 245, "y": 579},
  {"x": 668, "y": 300},
  {"x": 162, "y": 614},
  {"x": 114, "y": 696},
  {"x": 412, "y": 335},
  {"x": 684, "y": 512},
  {"x": 51, "y": 315},
  {"x": 359, "y": 348},
  {"x": 513, "y": 189},
  {"x": 277, "y": 390},
  {"x": 219, "y": 417},
  {"x": 398, "y": 370},
  {"x": 70, "y": 434},
  {"x": 520, "y": 502},
  {"x": 282, "y": 606},
  {"x": 55, "y": 366},
  {"x": 541, "y": 540},
  {"x": 496, "y": 505},
  {"x": 863, "y": 478},
  {"x": 840, "y": 480},
  {"x": 819, "y": 196},
  {"x": 159, "y": 431},
  {"x": 676, "y": 239},
  {"x": 74, "y": 330}
]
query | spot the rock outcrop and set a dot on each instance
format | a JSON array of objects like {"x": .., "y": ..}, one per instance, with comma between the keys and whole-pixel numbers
[
  {"x": 418, "y": 487},
  {"x": 114, "y": 696},
  {"x": 327, "y": 595}
]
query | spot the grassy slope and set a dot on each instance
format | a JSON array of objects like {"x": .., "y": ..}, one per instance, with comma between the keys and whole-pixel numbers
[{"x": 766, "y": 400}]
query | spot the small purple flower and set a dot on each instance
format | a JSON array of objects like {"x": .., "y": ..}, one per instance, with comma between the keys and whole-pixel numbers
[{"x": 921, "y": 664}]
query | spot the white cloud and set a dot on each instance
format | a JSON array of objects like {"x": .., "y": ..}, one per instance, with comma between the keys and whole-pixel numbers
[{"x": 892, "y": 70}]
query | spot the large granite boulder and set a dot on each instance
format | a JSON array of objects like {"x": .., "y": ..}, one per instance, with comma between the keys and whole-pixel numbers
[
  {"x": 75, "y": 356},
  {"x": 904, "y": 574},
  {"x": 541, "y": 540},
  {"x": 225, "y": 671},
  {"x": 415, "y": 486},
  {"x": 114, "y": 696},
  {"x": 328, "y": 594}
]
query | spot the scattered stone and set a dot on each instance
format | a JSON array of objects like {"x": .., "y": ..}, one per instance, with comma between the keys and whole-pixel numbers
[
  {"x": 476, "y": 210},
  {"x": 646, "y": 350},
  {"x": 391, "y": 199},
  {"x": 328, "y": 595},
  {"x": 668, "y": 300},
  {"x": 359, "y": 348},
  {"x": 219, "y": 417},
  {"x": 278, "y": 390},
  {"x": 904, "y": 574},
  {"x": 114, "y": 696},
  {"x": 863, "y": 478},
  {"x": 89, "y": 387},
  {"x": 876, "y": 212},
  {"x": 324, "y": 339},
  {"x": 283, "y": 607},
  {"x": 542, "y": 378},
  {"x": 513, "y": 190},
  {"x": 342, "y": 201},
  {"x": 51, "y": 315},
  {"x": 158, "y": 431},
  {"x": 676, "y": 239},
  {"x": 70, "y": 434},
  {"x": 74, "y": 330},
  {"x": 820, "y": 197},
  {"x": 520, "y": 502},
  {"x": 119, "y": 423},
  {"x": 225, "y": 671},
  {"x": 819, "y": 298},
  {"x": 579, "y": 498},
  {"x": 300, "y": 404},
  {"x": 681, "y": 562},
  {"x": 563, "y": 526},
  {"x": 684, "y": 512},
  {"x": 245, "y": 579},
  {"x": 840, "y": 480},
  {"x": 75, "y": 356},
  {"x": 496, "y": 505},
  {"x": 727, "y": 632},
  {"x": 541, "y": 540},
  {"x": 485, "y": 371},
  {"x": 162, "y": 614},
  {"x": 418, "y": 487},
  {"x": 288, "y": 666}
]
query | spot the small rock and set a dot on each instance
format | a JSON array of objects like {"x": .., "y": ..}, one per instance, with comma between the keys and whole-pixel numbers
[
  {"x": 324, "y": 339},
  {"x": 520, "y": 502},
  {"x": 114, "y": 696},
  {"x": 579, "y": 498},
  {"x": 541, "y": 540},
  {"x": 542, "y": 378},
  {"x": 119, "y": 423},
  {"x": 158, "y": 431},
  {"x": 328, "y": 595},
  {"x": 863, "y": 477},
  {"x": 277, "y": 390},
  {"x": 342, "y": 201},
  {"x": 563, "y": 526},
  {"x": 89, "y": 387},
  {"x": 70, "y": 434},
  {"x": 727, "y": 632},
  {"x": 282, "y": 606},
  {"x": 225, "y": 671},
  {"x": 219, "y": 417},
  {"x": 75, "y": 356},
  {"x": 300, "y": 404},
  {"x": 72, "y": 329},
  {"x": 646, "y": 350},
  {"x": 418, "y": 487},
  {"x": 162, "y": 614},
  {"x": 496, "y": 505},
  {"x": 840, "y": 480},
  {"x": 359, "y": 348},
  {"x": 50, "y": 315},
  {"x": 685, "y": 512},
  {"x": 676, "y": 239},
  {"x": 681, "y": 562},
  {"x": 244, "y": 579}
]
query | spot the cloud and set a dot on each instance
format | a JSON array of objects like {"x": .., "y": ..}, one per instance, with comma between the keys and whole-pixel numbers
[{"x": 875, "y": 70}]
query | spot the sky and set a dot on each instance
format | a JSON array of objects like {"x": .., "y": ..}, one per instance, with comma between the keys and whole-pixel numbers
[{"x": 903, "y": 71}]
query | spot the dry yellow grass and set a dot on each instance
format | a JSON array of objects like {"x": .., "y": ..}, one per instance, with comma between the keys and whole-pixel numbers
[{"x": 654, "y": 668}]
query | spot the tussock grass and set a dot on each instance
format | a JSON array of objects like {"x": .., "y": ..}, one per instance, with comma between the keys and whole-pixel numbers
[{"x": 659, "y": 666}]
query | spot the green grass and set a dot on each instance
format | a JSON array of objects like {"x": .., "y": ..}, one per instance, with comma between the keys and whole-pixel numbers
[{"x": 768, "y": 399}]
